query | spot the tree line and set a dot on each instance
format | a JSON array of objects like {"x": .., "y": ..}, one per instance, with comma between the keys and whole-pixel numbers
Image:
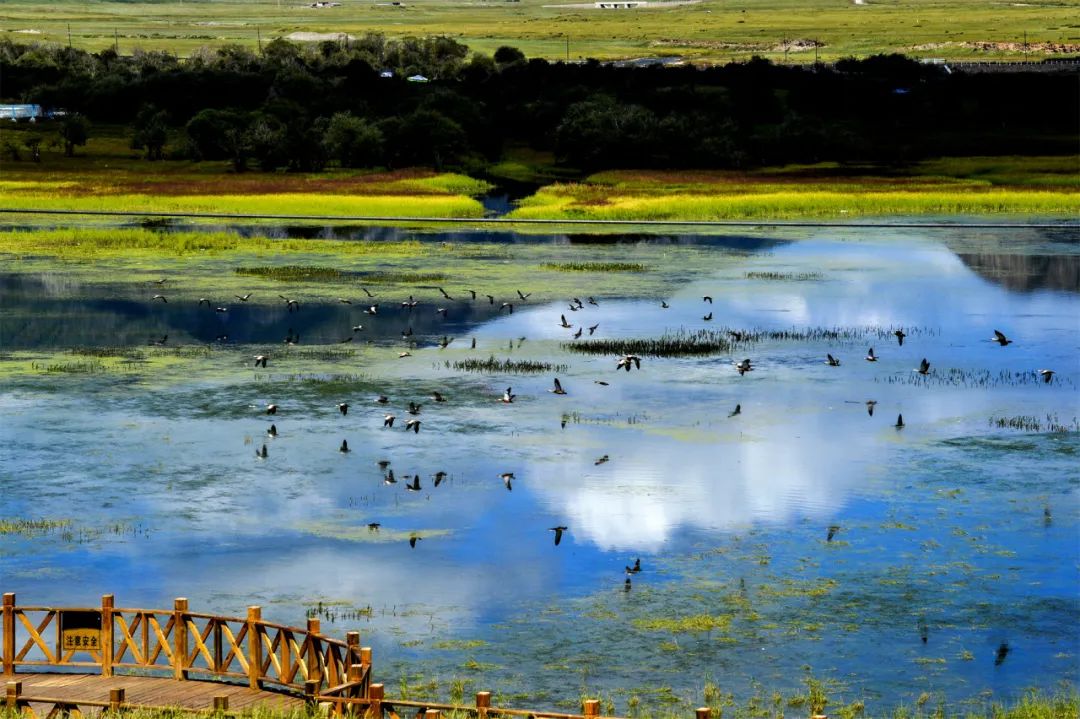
[{"x": 303, "y": 107}]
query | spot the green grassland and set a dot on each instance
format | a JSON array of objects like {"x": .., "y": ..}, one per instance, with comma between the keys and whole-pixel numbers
[
  {"x": 708, "y": 31},
  {"x": 107, "y": 175}
]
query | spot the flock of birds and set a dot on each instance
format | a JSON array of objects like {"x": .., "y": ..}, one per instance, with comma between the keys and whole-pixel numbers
[{"x": 625, "y": 362}]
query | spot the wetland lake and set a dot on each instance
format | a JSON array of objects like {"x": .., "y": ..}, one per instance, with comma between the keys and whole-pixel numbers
[{"x": 804, "y": 536}]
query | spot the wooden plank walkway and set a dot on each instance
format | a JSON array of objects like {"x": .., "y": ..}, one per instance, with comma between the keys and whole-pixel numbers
[{"x": 149, "y": 691}]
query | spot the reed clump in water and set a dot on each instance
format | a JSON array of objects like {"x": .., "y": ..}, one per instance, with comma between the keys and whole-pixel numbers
[
  {"x": 321, "y": 353},
  {"x": 676, "y": 344},
  {"x": 507, "y": 366},
  {"x": 784, "y": 276},
  {"x": 292, "y": 273},
  {"x": 32, "y": 527},
  {"x": 391, "y": 278},
  {"x": 92, "y": 367},
  {"x": 1030, "y": 423},
  {"x": 109, "y": 352},
  {"x": 966, "y": 378},
  {"x": 595, "y": 266}
]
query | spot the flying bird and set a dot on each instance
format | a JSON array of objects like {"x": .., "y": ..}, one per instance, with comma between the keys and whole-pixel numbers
[
  {"x": 382, "y": 399},
  {"x": 1047, "y": 375},
  {"x": 558, "y": 533},
  {"x": 260, "y": 360},
  {"x": 344, "y": 448},
  {"x": 870, "y": 356},
  {"x": 271, "y": 409},
  {"x": 388, "y": 420},
  {"x": 414, "y": 425},
  {"x": 870, "y": 404},
  {"x": 601, "y": 460},
  {"x": 923, "y": 368},
  {"x": 1001, "y": 339},
  {"x": 707, "y": 298},
  {"x": 367, "y": 292},
  {"x": 577, "y": 334},
  {"x": 558, "y": 387},
  {"x": 272, "y": 432},
  {"x": 899, "y": 421},
  {"x": 203, "y": 299},
  {"x": 507, "y": 477},
  {"x": 444, "y": 294},
  {"x": 159, "y": 297},
  {"x": 262, "y": 453},
  {"x": 1002, "y": 652},
  {"x": 507, "y": 396},
  {"x": 344, "y": 301},
  {"x": 636, "y": 569},
  {"x": 413, "y": 540},
  {"x": 593, "y": 328},
  {"x": 743, "y": 367},
  {"x": 831, "y": 361},
  {"x": 414, "y": 408},
  {"x": 626, "y": 360},
  {"x": 525, "y": 296},
  {"x": 736, "y": 411},
  {"x": 415, "y": 485},
  {"x": 372, "y": 310},
  {"x": 506, "y": 305},
  {"x": 563, "y": 323},
  {"x": 243, "y": 298},
  {"x": 664, "y": 305},
  {"x": 900, "y": 337},
  {"x": 438, "y": 397},
  {"x": 833, "y": 529},
  {"x": 343, "y": 408},
  {"x": 708, "y": 317}
]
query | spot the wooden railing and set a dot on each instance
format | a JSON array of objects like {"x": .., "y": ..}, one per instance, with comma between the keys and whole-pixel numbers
[
  {"x": 329, "y": 674},
  {"x": 183, "y": 644}
]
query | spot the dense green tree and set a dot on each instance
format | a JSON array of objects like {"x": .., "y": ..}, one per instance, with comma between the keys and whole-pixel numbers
[
  {"x": 151, "y": 132},
  {"x": 353, "y": 141},
  {"x": 74, "y": 131}
]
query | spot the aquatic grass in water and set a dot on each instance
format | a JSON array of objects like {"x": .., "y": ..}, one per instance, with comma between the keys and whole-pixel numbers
[
  {"x": 388, "y": 277},
  {"x": 1028, "y": 423},
  {"x": 32, "y": 527},
  {"x": 506, "y": 366},
  {"x": 678, "y": 344},
  {"x": 292, "y": 273},
  {"x": 595, "y": 266},
  {"x": 784, "y": 276},
  {"x": 95, "y": 243},
  {"x": 969, "y": 378}
]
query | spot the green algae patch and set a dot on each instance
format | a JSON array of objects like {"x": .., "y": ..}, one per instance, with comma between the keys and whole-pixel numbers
[{"x": 682, "y": 625}]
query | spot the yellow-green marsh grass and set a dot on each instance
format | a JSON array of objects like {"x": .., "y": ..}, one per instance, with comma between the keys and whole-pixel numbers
[
  {"x": 707, "y": 31},
  {"x": 1043, "y": 186},
  {"x": 312, "y": 205}
]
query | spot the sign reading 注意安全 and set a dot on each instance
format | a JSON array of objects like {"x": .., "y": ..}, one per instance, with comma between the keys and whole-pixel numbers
[{"x": 80, "y": 631}]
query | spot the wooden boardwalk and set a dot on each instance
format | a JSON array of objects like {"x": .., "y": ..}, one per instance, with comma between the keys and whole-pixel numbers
[{"x": 148, "y": 691}]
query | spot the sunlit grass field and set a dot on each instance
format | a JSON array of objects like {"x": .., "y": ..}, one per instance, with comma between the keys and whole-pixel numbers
[
  {"x": 1045, "y": 186},
  {"x": 709, "y": 30}
]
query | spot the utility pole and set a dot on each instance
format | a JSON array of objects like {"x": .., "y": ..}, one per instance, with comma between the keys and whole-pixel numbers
[
  {"x": 69, "y": 36},
  {"x": 116, "y": 41},
  {"x": 258, "y": 38},
  {"x": 568, "y": 48}
]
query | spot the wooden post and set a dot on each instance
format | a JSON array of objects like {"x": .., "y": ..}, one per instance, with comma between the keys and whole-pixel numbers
[
  {"x": 221, "y": 704},
  {"x": 433, "y": 714},
  {"x": 365, "y": 656},
  {"x": 592, "y": 707},
  {"x": 703, "y": 713},
  {"x": 106, "y": 634},
  {"x": 375, "y": 694},
  {"x": 14, "y": 689},
  {"x": 314, "y": 666},
  {"x": 352, "y": 641},
  {"x": 483, "y": 703},
  {"x": 116, "y": 698},
  {"x": 311, "y": 690},
  {"x": 180, "y": 607},
  {"x": 254, "y": 617},
  {"x": 9, "y": 633}
]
